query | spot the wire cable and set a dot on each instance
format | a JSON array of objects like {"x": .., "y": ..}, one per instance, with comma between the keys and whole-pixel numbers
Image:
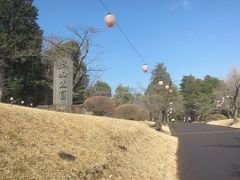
[
  {"x": 104, "y": 6},
  {"x": 130, "y": 43},
  {"x": 124, "y": 35}
]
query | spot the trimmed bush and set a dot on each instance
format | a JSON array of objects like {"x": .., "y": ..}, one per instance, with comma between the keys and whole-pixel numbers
[
  {"x": 143, "y": 115},
  {"x": 131, "y": 112},
  {"x": 100, "y": 106},
  {"x": 127, "y": 111},
  {"x": 214, "y": 117}
]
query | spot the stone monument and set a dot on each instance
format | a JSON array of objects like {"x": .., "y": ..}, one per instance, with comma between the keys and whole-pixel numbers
[{"x": 63, "y": 82}]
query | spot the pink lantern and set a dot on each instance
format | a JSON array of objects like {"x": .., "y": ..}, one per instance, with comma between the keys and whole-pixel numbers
[
  {"x": 170, "y": 90},
  {"x": 110, "y": 20},
  {"x": 145, "y": 68}
]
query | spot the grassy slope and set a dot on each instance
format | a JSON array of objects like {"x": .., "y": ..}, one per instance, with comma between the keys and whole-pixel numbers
[
  {"x": 31, "y": 141},
  {"x": 225, "y": 122}
]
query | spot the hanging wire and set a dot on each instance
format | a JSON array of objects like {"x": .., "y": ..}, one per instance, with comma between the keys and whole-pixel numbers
[
  {"x": 104, "y": 6},
  {"x": 130, "y": 43},
  {"x": 124, "y": 34}
]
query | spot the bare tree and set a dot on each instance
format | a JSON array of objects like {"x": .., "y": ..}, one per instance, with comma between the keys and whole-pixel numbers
[
  {"x": 227, "y": 94},
  {"x": 77, "y": 50},
  {"x": 222, "y": 100},
  {"x": 233, "y": 84}
]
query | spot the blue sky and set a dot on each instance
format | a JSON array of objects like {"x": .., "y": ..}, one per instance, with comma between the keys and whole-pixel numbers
[{"x": 196, "y": 37}]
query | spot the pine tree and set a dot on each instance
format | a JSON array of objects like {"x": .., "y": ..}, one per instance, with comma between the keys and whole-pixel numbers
[
  {"x": 159, "y": 73},
  {"x": 198, "y": 96},
  {"x": 102, "y": 89},
  {"x": 158, "y": 98},
  {"x": 123, "y": 95},
  {"x": 20, "y": 60}
]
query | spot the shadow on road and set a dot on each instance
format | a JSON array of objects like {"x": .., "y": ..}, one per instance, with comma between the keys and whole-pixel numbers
[
  {"x": 236, "y": 169},
  {"x": 237, "y": 138},
  {"x": 207, "y": 152}
]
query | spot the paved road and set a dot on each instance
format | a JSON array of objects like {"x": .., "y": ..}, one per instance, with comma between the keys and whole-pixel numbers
[{"x": 207, "y": 152}]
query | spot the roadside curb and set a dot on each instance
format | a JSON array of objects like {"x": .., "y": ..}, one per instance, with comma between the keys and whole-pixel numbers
[{"x": 223, "y": 126}]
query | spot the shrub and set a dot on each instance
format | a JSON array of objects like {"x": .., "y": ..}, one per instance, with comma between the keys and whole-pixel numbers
[
  {"x": 79, "y": 109},
  {"x": 131, "y": 112},
  {"x": 100, "y": 106},
  {"x": 214, "y": 117},
  {"x": 127, "y": 111},
  {"x": 143, "y": 115}
]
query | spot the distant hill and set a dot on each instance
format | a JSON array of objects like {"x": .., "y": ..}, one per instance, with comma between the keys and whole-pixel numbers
[{"x": 44, "y": 144}]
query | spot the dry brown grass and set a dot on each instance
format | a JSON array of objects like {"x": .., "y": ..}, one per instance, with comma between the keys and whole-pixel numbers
[
  {"x": 41, "y": 144},
  {"x": 225, "y": 122}
]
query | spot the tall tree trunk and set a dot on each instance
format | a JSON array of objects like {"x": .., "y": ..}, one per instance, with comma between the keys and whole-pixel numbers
[
  {"x": 235, "y": 111},
  {"x": 159, "y": 125},
  {"x": 228, "y": 111},
  {"x": 235, "y": 114},
  {"x": 159, "y": 122},
  {"x": 235, "y": 105},
  {"x": 1, "y": 83}
]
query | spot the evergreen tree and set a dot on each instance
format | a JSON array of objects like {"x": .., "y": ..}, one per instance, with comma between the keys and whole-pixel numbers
[
  {"x": 209, "y": 84},
  {"x": 159, "y": 73},
  {"x": 123, "y": 95},
  {"x": 198, "y": 96},
  {"x": 20, "y": 61},
  {"x": 158, "y": 98},
  {"x": 102, "y": 89},
  {"x": 190, "y": 89}
]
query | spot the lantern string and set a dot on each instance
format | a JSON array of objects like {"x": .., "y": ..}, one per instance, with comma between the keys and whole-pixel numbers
[
  {"x": 104, "y": 6},
  {"x": 124, "y": 34},
  {"x": 130, "y": 43}
]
